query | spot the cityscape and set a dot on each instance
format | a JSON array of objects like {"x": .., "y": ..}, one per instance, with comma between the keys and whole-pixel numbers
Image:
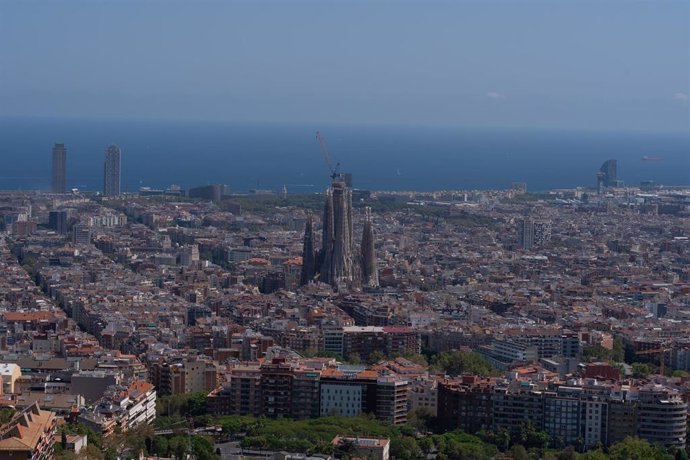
[
  {"x": 554, "y": 321},
  {"x": 306, "y": 230}
]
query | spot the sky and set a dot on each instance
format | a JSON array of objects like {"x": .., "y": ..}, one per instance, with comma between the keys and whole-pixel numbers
[{"x": 599, "y": 65}]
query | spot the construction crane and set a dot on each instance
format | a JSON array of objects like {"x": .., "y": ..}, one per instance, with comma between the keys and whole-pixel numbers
[
  {"x": 327, "y": 156},
  {"x": 661, "y": 351}
]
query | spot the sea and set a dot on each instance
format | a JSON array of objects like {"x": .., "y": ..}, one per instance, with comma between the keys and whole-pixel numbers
[{"x": 274, "y": 156}]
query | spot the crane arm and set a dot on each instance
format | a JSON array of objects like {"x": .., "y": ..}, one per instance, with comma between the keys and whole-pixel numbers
[{"x": 327, "y": 156}]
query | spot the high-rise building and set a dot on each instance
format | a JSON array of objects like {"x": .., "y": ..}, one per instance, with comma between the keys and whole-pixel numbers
[
  {"x": 111, "y": 176},
  {"x": 607, "y": 176},
  {"x": 57, "y": 220},
  {"x": 533, "y": 233},
  {"x": 81, "y": 234},
  {"x": 59, "y": 168},
  {"x": 542, "y": 232},
  {"x": 525, "y": 234}
]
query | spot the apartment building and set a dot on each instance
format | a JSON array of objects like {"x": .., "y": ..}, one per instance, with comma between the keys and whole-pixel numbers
[{"x": 29, "y": 434}]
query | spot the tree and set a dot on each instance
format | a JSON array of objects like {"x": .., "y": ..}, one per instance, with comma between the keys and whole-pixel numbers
[
  {"x": 567, "y": 454},
  {"x": 160, "y": 446},
  {"x": 518, "y": 452},
  {"x": 6, "y": 415},
  {"x": 353, "y": 359},
  {"x": 196, "y": 404},
  {"x": 640, "y": 370},
  {"x": 376, "y": 356},
  {"x": 426, "y": 444},
  {"x": 416, "y": 358},
  {"x": 178, "y": 446},
  {"x": 458, "y": 362},
  {"x": 680, "y": 373},
  {"x": 593, "y": 455},
  {"x": 405, "y": 448},
  {"x": 632, "y": 448},
  {"x": 422, "y": 419},
  {"x": 618, "y": 352},
  {"x": 530, "y": 437}
]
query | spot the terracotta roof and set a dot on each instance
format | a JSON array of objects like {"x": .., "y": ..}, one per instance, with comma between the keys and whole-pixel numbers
[
  {"x": 12, "y": 316},
  {"x": 25, "y": 429},
  {"x": 139, "y": 387}
]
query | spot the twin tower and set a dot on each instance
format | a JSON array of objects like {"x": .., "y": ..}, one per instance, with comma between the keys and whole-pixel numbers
[{"x": 336, "y": 262}]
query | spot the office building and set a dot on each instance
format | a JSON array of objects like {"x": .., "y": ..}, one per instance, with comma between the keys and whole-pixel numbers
[
  {"x": 213, "y": 192},
  {"x": 194, "y": 312},
  {"x": 607, "y": 176},
  {"x": 111, "y": 177},
  {"x": 59, "y": 168},
  {"x": 525, "y": 234},
  {"x": 57, "y": 220},
  {"x": 81, "y": 234},
  {"x": 533, "y": 233},
  {"x": 542, "y": 233}
]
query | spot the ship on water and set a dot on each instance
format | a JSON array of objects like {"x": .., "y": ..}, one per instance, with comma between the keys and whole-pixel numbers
[{"x": 651, "y": 158}]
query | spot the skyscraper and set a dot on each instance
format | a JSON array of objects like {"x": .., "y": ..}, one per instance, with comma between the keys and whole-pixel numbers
[
  {"x": 525, "y": 231},
  {"x": 59, "y": 168},
  {"x": 57, "y": 220},
  {"x": 533, "y": 233},
  {"x": 111, "y": 180},
  {"x": 607, "y": 176}
]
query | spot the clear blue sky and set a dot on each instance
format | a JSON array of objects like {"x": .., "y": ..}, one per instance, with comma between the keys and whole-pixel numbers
[{"x": 598, "y": 64}]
